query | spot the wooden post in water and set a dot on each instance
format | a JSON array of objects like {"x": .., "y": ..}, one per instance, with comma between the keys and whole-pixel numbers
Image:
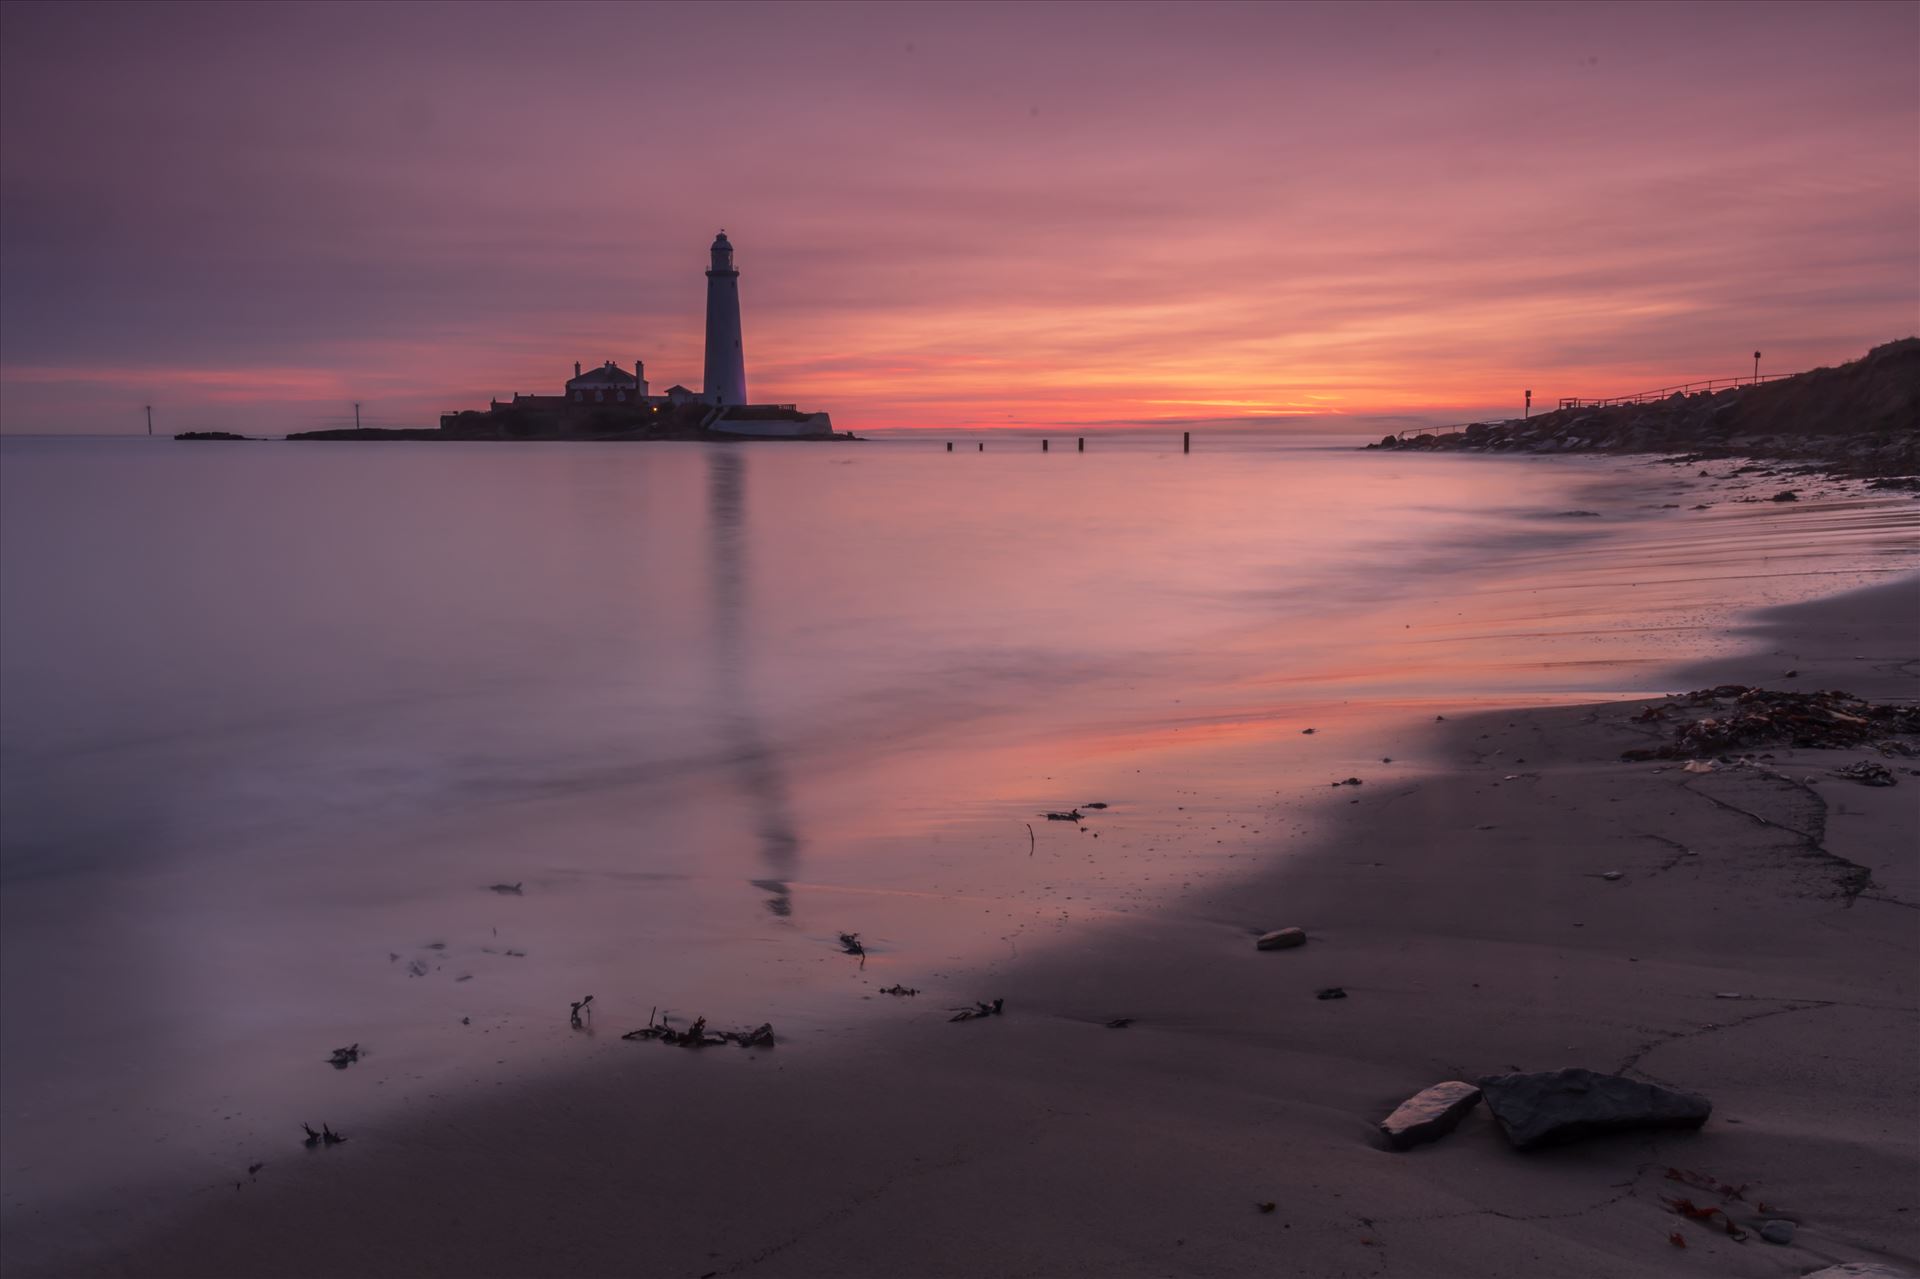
[
  {"x": 1080, "y": 445},
  {"x": 149, "y": 419},
  {"x": 1043, "y": 446},
  {"x": 949, "y": 446},
  {"x": 983, "y": 446},
  {"x": 356, "y": 415},
  {"x": 1186, "y": 441}
]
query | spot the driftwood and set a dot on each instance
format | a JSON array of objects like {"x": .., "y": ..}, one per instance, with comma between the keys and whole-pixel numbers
[
  {"x": 1071, "y": 815},
  {"x": 512, "y": 890},
  {"x": 698, "y": 1036},
  {"x": 850, "y": 945},
  {"x": 344, "y": 1057},
  {"x": 580, "y": 1011},
  {"x": 979, "y": 1010},
  {"x": 898, "y": 990}
]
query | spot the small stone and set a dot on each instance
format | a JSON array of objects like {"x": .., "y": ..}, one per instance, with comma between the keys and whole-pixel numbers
[
  {"x": 1430, "y": 1114},
  {"x": 1779, "y": 1230},
  {"x": 1610, "y": 875},
  {"x": 1282, "y": 939}
]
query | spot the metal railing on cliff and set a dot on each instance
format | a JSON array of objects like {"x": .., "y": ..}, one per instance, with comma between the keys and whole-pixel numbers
[{"x": 1668, "y": 392}]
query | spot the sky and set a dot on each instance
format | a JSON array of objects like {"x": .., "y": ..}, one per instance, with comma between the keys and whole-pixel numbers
[{"x": 945, "y": 216}]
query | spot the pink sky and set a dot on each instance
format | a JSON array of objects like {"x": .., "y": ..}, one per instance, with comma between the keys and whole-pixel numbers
[{"x": 252, "y": 215}]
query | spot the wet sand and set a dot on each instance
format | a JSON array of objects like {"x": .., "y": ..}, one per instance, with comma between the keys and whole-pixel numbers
[{"x": 1462, "y": 908}]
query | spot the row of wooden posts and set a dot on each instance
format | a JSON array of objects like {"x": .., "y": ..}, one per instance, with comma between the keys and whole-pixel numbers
[{"x": 1080, "y": 444}]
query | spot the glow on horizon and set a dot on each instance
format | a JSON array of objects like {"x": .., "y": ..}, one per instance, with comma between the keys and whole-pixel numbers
[{"x": 1055, "y": 214}]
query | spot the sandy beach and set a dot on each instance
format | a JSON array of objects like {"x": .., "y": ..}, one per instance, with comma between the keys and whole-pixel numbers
[{"x": 1506, "y": 894}]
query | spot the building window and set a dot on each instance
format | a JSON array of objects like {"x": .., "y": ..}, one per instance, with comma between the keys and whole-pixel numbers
[
  {"x": 620, "y": 396},
  {"x": 579, "y": 396},
  {"x": 599, "y": 397}
]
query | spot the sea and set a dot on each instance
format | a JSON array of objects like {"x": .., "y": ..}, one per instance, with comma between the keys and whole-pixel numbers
[{"x": 412, "y": 746}]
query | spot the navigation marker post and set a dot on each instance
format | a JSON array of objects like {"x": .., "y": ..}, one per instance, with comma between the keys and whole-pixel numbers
[
  {"x": 1529, "y": 409},
  {"x": 1756, "y": 368}
]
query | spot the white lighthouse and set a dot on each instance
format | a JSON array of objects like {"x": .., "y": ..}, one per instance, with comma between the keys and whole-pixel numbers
[{"x": 726, "y": 362}]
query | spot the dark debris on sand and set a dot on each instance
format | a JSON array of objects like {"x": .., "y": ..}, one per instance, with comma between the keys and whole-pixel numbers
[{"x": 1734, "y": 717}]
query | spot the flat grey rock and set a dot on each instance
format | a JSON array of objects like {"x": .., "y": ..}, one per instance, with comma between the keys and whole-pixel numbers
[
  {"x": 1779, "y": 1230},
  {"x": 1859, "y": 1270},
  {"x": 1282, "y": 939},
  {"x": 1549, "y": 1107},
  {"x": 1429, "y": 1114}
]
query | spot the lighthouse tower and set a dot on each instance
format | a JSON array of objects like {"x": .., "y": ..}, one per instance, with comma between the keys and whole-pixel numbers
[{"x": 726, "y": 363}]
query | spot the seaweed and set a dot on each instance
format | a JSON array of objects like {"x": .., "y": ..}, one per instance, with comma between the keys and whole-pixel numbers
[{"x": 1825, "y": 720}]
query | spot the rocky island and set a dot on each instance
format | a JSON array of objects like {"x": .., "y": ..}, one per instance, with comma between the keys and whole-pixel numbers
[{"x": 609, "y": 403}]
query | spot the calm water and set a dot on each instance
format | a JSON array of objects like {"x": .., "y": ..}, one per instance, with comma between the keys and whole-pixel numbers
[{"x": 276, "y": 715}]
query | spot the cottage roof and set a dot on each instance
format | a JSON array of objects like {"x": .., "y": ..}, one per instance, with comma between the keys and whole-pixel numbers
[{"x": 605, "y": 375}]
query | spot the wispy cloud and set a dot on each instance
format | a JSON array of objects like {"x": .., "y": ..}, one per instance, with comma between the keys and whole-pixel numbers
[{"x": 946, "y": 216}]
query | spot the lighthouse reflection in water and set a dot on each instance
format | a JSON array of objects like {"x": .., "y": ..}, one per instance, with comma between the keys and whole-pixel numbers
[{"x": 754, "y": 765}]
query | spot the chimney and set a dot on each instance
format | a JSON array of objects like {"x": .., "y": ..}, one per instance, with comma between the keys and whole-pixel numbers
[{"x": 576, "y": 368}]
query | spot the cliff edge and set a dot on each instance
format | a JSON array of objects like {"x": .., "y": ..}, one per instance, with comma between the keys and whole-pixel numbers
[{"x": 1860, "y": 418}]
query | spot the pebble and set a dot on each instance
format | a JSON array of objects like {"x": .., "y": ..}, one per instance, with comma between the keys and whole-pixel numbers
[
  {"x": 1778, "y": 1230},
  {"x": 1282, "y": 939}
]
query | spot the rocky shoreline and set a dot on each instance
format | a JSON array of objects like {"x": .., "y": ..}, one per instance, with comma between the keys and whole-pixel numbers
[{"x": 1861, "y": 419}]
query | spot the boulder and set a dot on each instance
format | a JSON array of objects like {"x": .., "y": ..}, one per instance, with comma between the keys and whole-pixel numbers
[
  {"x": 1430, "y": 1114},
  {"x": 1545, "y": 1108},
  {"x": 1284, "y": 938}
]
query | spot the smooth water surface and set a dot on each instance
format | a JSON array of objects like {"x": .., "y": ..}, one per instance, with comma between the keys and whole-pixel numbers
[{"x": 276, "y": 715}]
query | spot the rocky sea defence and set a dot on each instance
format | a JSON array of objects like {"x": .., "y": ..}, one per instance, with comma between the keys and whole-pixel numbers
[{"x": 1859, "y": 419}]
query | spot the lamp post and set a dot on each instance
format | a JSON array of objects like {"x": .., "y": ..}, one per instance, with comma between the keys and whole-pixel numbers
[{"x": 1756, "y": 368}]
